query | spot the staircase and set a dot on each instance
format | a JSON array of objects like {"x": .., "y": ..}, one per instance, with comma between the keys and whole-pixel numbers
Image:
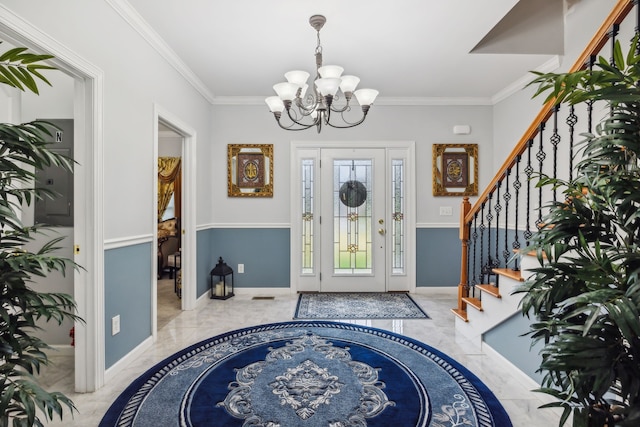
[
  {"x": 510, "y": 209},
  {"x": 495, "y": 302}
]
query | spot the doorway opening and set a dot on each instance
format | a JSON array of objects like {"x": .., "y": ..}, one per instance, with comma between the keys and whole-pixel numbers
[
  {"x": 88, "y": 283},
  {"x": 169, "y": 214},
  {"x": 177, "y": 139}
]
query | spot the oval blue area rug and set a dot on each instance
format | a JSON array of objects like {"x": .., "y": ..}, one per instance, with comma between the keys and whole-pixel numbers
[{"x": 317, "y": 374}]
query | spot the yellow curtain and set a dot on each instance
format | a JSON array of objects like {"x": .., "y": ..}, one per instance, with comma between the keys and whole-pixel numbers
[{"x": 169, "y": 182}]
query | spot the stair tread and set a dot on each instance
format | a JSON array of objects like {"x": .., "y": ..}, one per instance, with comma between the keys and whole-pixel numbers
[
  {"x": 515, "y": 275},
  {"x": 473, "y": 302},
  {"x": 460, "y": 313},
  {"x": 530, "y": 253},
  {"x": 490, "y": 289}
]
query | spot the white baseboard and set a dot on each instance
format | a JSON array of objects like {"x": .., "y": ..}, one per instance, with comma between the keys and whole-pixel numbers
[
  {"x": 437, "y": 290},
  {"x": 121, "y": 364},
  {"x": 263, "y": 292},
  {"x": 61, "y": 350}
]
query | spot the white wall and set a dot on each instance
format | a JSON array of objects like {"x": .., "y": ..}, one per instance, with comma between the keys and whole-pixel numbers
[
  {"x": 136, "y": 77},
  {"x": 513, "y": 115},
  {"x": 426, "y": 125}
]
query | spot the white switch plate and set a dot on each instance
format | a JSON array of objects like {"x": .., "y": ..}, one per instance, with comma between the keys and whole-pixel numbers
[
  {"x": 115, "y": 325},
  {"x": 446, "y": 210},
  {"x": 240, "y": 268}
]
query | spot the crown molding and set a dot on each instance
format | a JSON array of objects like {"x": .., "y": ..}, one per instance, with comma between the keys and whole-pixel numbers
[
  {"x": 521, "y": 83},
  {"x": 389, "y": 101},
  {"x": 137, "y": 22}
]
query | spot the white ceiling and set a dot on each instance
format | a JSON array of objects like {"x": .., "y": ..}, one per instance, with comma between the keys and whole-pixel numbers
[{"x": 407, "y": 49}]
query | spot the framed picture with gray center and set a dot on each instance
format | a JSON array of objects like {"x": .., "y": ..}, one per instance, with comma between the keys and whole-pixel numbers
[
  {"x": 455, "y": 169},
  {"x": 250, "y": 170}
]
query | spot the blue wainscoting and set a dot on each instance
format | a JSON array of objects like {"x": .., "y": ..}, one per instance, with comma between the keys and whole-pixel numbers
[
  {"x": 127, "y": 292},
  {"x": 438, "y": 256},
  {"x": 265, "y": 253}
]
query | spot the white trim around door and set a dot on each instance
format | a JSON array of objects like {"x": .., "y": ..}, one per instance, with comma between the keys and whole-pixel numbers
[
  {"x": 188, "y": 220},
  {"x": 307, "y": 278},
  {"x": 89, "y": 189}
]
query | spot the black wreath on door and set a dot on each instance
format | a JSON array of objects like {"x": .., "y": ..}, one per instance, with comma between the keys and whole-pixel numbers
[{"x": 353, "y": 193}]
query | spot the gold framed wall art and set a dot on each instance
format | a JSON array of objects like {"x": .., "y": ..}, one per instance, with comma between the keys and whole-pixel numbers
[
  {"x": 250, "y": 170},
  {"x": 455, "y": 169}
]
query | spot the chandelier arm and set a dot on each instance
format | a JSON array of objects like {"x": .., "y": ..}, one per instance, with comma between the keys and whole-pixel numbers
[
  {"x": 291, "y": 126},
  {"x": 346, "y": 107},
  {"x": 340, "y": 110},
  {"x": 296, "y": 121},
  {"x": 306, "y": 110},
  {"x": 349, "y": 124}
]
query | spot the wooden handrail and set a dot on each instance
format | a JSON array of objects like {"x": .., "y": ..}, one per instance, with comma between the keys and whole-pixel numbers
[{"x": 617, "y": 15}]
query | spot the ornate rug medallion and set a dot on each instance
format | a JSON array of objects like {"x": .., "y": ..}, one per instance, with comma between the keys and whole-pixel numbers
[
  {"x": 307, "y": 383},
  {"x": 312, "y": 374}
]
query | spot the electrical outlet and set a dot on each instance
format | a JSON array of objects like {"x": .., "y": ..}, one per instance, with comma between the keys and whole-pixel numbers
[
  {"x": 446, "y": 210},
  {"x": 240, "y": 268},
  {"x": 115, "y": 325}
]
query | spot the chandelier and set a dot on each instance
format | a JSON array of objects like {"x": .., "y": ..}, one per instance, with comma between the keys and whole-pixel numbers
[{"x": 320, "y": 106}]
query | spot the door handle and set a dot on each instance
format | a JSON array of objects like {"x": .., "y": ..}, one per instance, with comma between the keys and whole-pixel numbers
[{"x": 381, "y": 231}]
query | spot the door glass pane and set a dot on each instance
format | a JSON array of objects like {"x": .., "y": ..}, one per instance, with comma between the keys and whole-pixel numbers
[
  {"x": 307, "y": 216},
  {"x": 397, "y": 215},
  {"x": 352, "y": 217}
]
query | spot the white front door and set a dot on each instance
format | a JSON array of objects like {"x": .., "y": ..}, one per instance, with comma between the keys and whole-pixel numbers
[{"x": 353, "y": 223}]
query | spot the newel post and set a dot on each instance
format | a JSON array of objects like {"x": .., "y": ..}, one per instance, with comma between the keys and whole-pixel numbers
[{"x": 463, "y": 291}]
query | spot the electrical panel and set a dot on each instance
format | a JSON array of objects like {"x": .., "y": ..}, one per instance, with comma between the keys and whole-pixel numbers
[{"x": 59, "y": 209}]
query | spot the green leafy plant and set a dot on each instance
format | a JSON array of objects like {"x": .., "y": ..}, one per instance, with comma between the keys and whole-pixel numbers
[
  {"x": 23, "y": 151},
  {"x": 585, "y": 295}
]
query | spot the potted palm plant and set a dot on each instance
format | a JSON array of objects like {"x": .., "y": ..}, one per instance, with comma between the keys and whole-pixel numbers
[
  {"x": 23, "y": 151},
  {"x": 585, "y": 295}
]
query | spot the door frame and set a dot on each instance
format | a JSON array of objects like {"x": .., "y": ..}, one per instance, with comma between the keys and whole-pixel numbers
[
  {"x": 88, "y": 288},
  {"x": 188, "y": 219},
  {"x": 311, "y": 150}
]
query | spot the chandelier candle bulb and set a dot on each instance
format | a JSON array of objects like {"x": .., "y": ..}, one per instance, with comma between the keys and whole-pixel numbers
[
  {"x": 275, "y": 104},
  {"x": 330, "y": 71},
  {"x": 297, "y": 77},
  {"x": 366, "y": 97}
]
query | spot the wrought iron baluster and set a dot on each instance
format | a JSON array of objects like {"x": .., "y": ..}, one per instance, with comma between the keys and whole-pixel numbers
[
  {"x": 506, "y": 196},
  {"x": 468, "y": 284},
  {"x": 474, "y": 237},
  {"x": 517, "y": 185},
  {"x": 540, "y": 156},
  {"x": 613, "y": 34},
  {"x": 489, "y": 219},
  {"x": 592, "y": 60},
  {"x": 637, "y": 28},
  {"x": 555, "y": 140},
  {"x": 482, "y": 228},
  {"x": 572, "y": 120},
  {"x": 498, "y": 209},
  {"x": 528, "y": 171}
]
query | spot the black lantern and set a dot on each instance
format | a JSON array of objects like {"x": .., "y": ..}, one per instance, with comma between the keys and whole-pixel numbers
[{"x": 218, "y": 286}]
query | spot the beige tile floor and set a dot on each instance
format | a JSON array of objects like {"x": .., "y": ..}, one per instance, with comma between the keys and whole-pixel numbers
[{"x": 181, "y": 329}]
